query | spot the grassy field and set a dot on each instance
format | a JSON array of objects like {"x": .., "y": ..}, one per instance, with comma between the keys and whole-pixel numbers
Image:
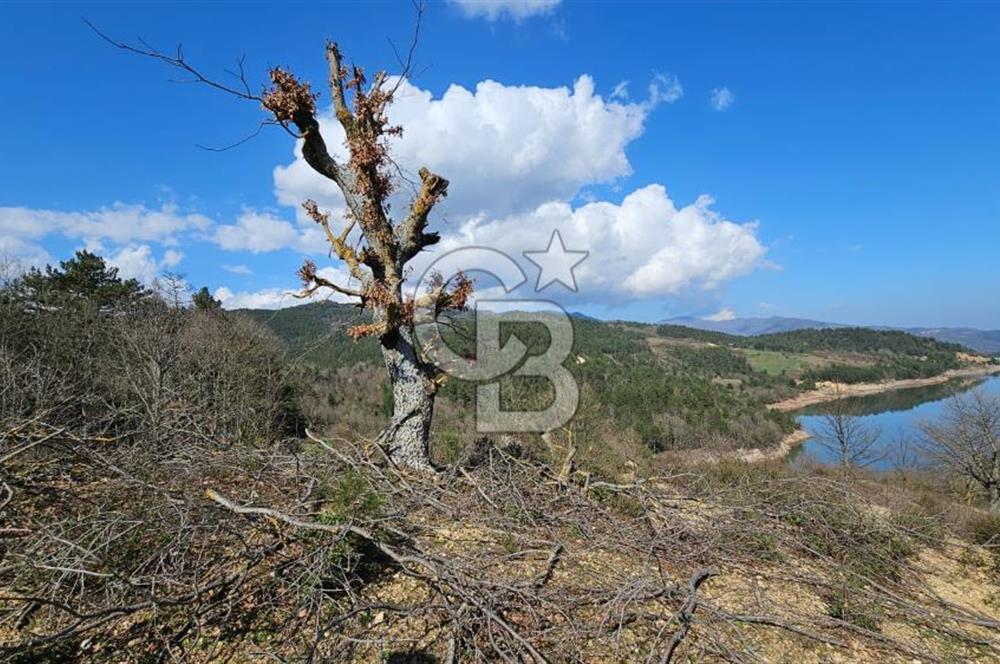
[{"x": 776, "y": 363}]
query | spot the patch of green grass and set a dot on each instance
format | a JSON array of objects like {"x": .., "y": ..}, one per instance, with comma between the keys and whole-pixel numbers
[
  {"x": 447, "y": 447},
  {"x": 777, "y": 363},
  {"x": 509, "y": 543},
  {"x": 619, "y": 502},
  {"x": 351, "y": 500},
  {"x": 849, "y": 602}
]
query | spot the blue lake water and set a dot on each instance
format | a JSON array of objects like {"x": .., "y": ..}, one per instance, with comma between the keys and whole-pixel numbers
[{"x": 894, "y": 414}]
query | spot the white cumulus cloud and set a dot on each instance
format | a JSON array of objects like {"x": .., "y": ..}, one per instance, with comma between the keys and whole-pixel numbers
[
  {"x": 279, "y": 298},
  {"x": 493, "y": 10},
  {"x": 722, "y": 315},
  {"x": 258, "y": 232},
  {"x": 139, "y": 262},
  {"x": 128, "y": 228},
  {"x": 119, "y": 223},
  {"x": 664, "y": 89},
  {"x": 516, "y": 157},
  {"x": 268, "y": 298},
  {"x": 504, "y": 148},
  {"x": 722, "y": 98},
  {"x": 172, "y": 257},
  {"x": 17, "y": 255},
  {"x": 644, "y": 247}
]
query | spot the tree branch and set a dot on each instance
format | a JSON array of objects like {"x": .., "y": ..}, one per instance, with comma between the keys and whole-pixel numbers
[
  {"x": 178, "y": 61},
  {"x": 344, "y": 251},
  {"x": 686, "y": 614},
  {"x": 288, "y": 100},
  {"x": 410, "y": 233},
  {"x": 312, "y": 282}
]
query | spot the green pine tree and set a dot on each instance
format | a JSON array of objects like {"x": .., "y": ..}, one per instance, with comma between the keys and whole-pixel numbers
[
  {"x": 203, "y": 300},
  {"x": 88, "y": 276}
]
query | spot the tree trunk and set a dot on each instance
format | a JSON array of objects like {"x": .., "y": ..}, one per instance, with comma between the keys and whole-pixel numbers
[
  {"x": 995, "y": 498},
  {"x": 407, "y": 437}
]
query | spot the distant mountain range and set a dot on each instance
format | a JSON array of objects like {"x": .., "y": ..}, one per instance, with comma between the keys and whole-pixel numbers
[
  {"x": 748, "y": 327},
  {"x": 984, "y": 341}
]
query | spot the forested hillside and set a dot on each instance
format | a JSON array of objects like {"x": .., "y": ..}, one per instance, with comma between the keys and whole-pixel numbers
[
  {"x": 846, "y": 355},
  {"x": 634, "y": 396},
  {"x": 982, "y": 341},
  {"x": 644, "y": 389}
]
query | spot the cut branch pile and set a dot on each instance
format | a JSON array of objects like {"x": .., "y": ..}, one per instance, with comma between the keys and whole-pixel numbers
[{"x": 318, "y": 551}]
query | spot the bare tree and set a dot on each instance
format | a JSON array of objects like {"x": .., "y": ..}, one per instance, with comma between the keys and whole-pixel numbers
[
  {"x": 967, "y": 440},
  {"x": 376, "y": 256},
  {"x": 905, "y": 457},
  {"x": 847, "y": 436}
]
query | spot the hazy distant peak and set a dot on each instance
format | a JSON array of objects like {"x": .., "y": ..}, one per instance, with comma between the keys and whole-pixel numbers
[
  {"x": 721, "y": 322},
  {"x": 984, "y": 341}
]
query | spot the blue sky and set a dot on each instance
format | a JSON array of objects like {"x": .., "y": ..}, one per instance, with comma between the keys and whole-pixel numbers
[{"x": 854, "y": 173}]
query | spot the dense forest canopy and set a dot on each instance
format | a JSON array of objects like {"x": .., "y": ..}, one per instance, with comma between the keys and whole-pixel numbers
[
  {"x": 854, "y": 355},
  {"x": 844, "y": 339}
]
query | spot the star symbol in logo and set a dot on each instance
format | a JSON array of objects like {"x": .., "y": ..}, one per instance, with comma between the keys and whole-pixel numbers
[{"x": 556, "y": 263}]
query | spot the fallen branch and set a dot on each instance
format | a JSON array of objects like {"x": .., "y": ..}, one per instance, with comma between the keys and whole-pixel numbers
[{"x": 686, "y": 614}]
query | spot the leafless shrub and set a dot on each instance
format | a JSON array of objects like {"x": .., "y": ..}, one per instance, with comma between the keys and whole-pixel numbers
[
  {"x": 108, "y": 422},
  {"x": 967, "y": 441},
  {"x": 905, "y": 458},
  {"x": 852, "y": 441}
]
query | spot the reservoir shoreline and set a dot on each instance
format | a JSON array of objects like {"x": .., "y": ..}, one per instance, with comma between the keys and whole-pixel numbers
[
  {"x": 833, "y": 391},
  {"x": 824, "y": 394}
]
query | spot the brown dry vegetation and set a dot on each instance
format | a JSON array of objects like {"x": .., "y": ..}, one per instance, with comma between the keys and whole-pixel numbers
[{"x": 332, "y": 554}]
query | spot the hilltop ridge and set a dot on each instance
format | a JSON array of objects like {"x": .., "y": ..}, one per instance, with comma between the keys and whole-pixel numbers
[{"x": 983, "y": 341}]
